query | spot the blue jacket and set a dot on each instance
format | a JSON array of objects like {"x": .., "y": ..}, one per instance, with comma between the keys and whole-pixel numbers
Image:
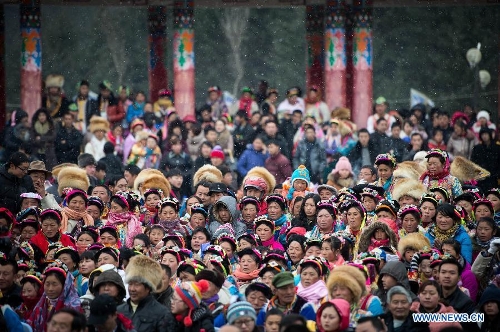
[
  {"x": 250, "y": 159},
  {"x": 134, "y": 111},
  {"x": 464, "y": 239}
]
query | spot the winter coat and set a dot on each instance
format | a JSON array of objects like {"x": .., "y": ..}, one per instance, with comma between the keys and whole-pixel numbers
[
  {"x": 288, "y": 129},
  {"x": 468, "y": 279},
  {"x": 355, "y": 156},
  {"x": 279, "y": 166},
  {"x": 442, "y": 309},
  {"x": 397, "y": 146},
  {"x": 67, "y": 145},
  {"x": 15, "y": 138},
  {"x": 461, "y": 145},
  {"x": 238, "y": 227},
  {"x": 202, "y": 321},
  {"x": 249, "y": 159},
  {"x": 114, "y": 166},
  {"x": 180, "y": 161},
  {"x": 150, "y": 315},
  {"x": 63, "y": 108},
  {"x": 382, "y": 142},
  {"x": 45, "y": 144},
  {"x": 11, "y": 187},
  {"x": 368, "y": 233},
  {"x": 462, "y": 237},
  {"x": 41, "y": 241},
  {"x": 315, "y": 159},
  {"x": 135, "y": 111},
  {"x": 242, "y": 135},
  {"x": 194, "y": 143},
  {"x": 488, "y": 157},
  {"x": 397, "y": 270},
  {"x": 165, "y": 297},
  {"x": 91, "y": 108},
  {"x": 286, "y": 146},
  {"x": 460, "y": 302},
  {"x": 117, "y": 114},
  {"x": 409, "y": 324}
]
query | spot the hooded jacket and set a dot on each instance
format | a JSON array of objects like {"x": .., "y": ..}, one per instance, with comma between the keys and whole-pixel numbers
[
  {"x": 113, "y": 277},
  {"x": 230, "y": 204},
  {"x": 397, "y": 270},
  {"x": 250, "y": 159},
  {"x": 365, "y": 244},
  {"x": 343, "y": 310}
]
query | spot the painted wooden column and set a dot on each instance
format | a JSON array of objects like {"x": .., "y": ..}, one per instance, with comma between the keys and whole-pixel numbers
[
  {"x": 335, "y": 54},
  {"x": 157, "y": 72},
  {"x": 315, "y": 15},
  {"x": 3, "y": 101},
  {"x": 362, "y": 61},
  {"x": 184, "y": 95},
  {"x": 31, "y": 56}
]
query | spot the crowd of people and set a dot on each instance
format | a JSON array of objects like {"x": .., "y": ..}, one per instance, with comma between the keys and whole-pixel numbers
[{"x": 118, "y": 215}]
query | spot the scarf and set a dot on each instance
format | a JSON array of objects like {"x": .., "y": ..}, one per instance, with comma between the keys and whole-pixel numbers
[
  {"x": 272, "y": 244},
  {"x": 379, "y": 243},
  {"x": 69, "y": 214},
  {"x": 443, "y": 235},
  {"x": 42, "y": 128},
  {"x": 171, "y": 226},
  {"x": 242, "y": 276},
  {"x": 127, "y": 225},
  {"x": 246, "y": 104},
  {"x": 213, "y": 299},
  {"x": 484, "y": 244},
  {"x": 313, "y": 293},
  {"x": 45, "y": 307}
]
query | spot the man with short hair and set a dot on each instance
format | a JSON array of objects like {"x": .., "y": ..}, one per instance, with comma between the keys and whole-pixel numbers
[
  {"x": 242, "y": 134},
  {"x": 286, "y": 299},
  {"x": 105, "y": 318},
  {"x": 175, "y": 178},
  {"x": 87, "y": 162},
  {"x": 130, "y": 174},
  {"x": 364, "y": 152},
  {"x": 370, "y": 324},
  {"x": 67, "y": 320},
  {"x": 271, "y": 132},
  {"x": 114, "y": 165},
  {"x": 164, "y": 294},
  {"x": 399, "y": 318},
  {"x": 277, "y": 164},
  {"x": 380, "y": 138},
  {"x": 396, "y": 144},
  {"x": 202, "y": 191},
  {"x": 290, "y": 124},
  {"x": 11, "y": 291},
  {"x": 449, "y": 277},
  {"x": 68, "y": 140},
  {"x": 100, "y": 171},
  {"x": 14, "y": 181},
  {"x": 310, "y": 153}
]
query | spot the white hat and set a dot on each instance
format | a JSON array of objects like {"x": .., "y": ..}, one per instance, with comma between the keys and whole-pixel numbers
[{"x": 483, "y": 114}]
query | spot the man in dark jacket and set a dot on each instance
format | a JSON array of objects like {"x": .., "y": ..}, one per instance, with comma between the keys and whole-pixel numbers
[
  {"x": 143, "y": 275},
  {"x": 68, "y": 141},
  {"x": 164, "y": 294},
  {"x": 87, "y": 106},
  {"x": 392, "y": 274},
  {"x": 277, "y": 164},
  {"x": 271, "y": 132},
  {"x": 398, "y": 303},
  {"x": 396, "y": 145},
  {"x": 363, "y": 153},
  {"x": 290, "y": 124},
  {"x": 105, "y": 318},
  {"x": 242, "y": 133},
  {"x": 14, "y": 180},
  {"x": 114, "y": 166},
  {"x": 379, "y": 137},
  {"x": 310, "y": 153},
  {"x": 487, "y": 155}
]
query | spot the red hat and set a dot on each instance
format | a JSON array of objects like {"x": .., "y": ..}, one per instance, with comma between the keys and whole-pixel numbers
[
  {"x": 189, "y": 118},
  {"x": 217, "y": 154}
]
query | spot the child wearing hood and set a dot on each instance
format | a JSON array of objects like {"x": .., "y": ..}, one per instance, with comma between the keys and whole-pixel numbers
[
  {"x": 342, "y": 175},
  {"x": 298, "y": 184},
  {"x": 333, "y": 316},
  {"x": 378, "y": 234}
]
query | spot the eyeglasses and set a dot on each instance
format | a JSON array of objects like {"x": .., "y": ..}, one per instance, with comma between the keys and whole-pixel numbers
[
  {"x": 24, "y": 170},
  {"x": 242, "y": 322}
]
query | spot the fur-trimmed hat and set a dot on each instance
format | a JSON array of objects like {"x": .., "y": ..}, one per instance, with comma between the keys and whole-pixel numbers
[
  {"x": 369, "y": 231},
  {"x": 54, "y": 81},
  {"x": 207, "y": 173},
  {"x": 349, "y": 277},
  {"x": 144, "y": 270},
  {"x": 408, "y": 187},
  {"x": 416, "y": 241},
  {"x": 341, "y": 113},
  {"x": 141, "y": 135},
  {"x": 98, "y": 123},
  {"x": 408, "y": 170},
  {"x": 465, "y": 170},
  {"x": 72, "y": 177},
  {"x": 265, "y": 175},
  {"x": 143, "y": 175},
  {"x": 158, "y": 182}
]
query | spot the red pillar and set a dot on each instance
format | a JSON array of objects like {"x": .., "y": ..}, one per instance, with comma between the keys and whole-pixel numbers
[
  {"x": 184, "y": 58},
  {"x": 362, "y": 61},
  {"x": 157, "y": 72},
  {"x": 335, "y": 54},
  {"x": 3, "y": 103},
  {"x": 31, "y": 56},
  {"x": 315, "y": 15}
]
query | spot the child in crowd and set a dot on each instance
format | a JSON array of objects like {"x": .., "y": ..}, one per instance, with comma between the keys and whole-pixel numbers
[
  {"x": 298, "y": 184},
  {"x": 342, "y": 176}
]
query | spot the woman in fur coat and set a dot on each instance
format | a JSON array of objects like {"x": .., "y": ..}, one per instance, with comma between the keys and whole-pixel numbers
[{"x": 377, "y": 234}]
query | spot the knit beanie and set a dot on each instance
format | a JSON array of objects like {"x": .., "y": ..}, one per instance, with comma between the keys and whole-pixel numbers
[
  {"x": 343, "y": 163},
  {"x": 483, "y": 114},
  {"x": 190, "y": 292},
  {"x": 301, "y": 173},
  {"x": 240, "y": 309},
  {"x": 217, "y": 153}
]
